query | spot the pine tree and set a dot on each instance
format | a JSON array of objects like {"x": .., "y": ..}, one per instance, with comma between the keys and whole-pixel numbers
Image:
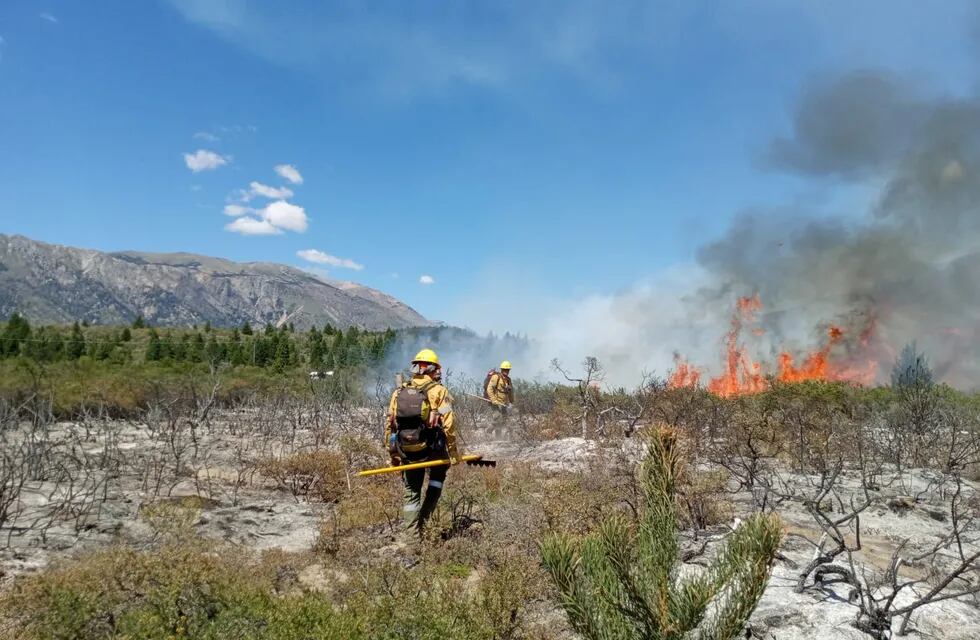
[
  {"x": 75, "y": 348},
  {"x": 103, "y": 350},
  {"x": 379, "y": 346},
  {"x": 154, "y": 348},
  {"x": 281, "y": 359},
  {"x": 36, "y": 348},
  {"x": 215, "y": 352},
  {"x": 353, "y": 354},
  {"x": 126, "y": 335},
  {"x": 50, "y": 345},
  {"x": 15, "y": 336},
  {"x": 246, "y": 329},
  {"x": 234, "y": 352},
  {"x": 623, "y": 582},
  {"x": 249, "y": 351},
  {"x": 195, "y": 348},
  {"x": 911, "y": 369},
  {"x": 337, "y": 350},
  {"x": 316, "y": 348},
  {"x": 139, "y": 322},
  {"x": 263, "y": 350}
]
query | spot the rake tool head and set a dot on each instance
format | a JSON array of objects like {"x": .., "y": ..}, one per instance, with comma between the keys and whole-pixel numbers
[{"x": 481, "y": 463}]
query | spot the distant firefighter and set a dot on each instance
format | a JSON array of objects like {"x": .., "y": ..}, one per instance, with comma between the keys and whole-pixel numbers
[{"x": 499, "y": 390}]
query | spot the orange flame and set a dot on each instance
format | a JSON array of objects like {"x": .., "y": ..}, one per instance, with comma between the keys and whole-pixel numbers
[
  {"x": 742, "y": 375},
  {"x": 684, "y": 375}
]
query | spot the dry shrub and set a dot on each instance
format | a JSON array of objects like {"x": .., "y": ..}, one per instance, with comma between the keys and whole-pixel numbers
[
  {"x": 972, "y": 472},
  {"x": 175, "y": 591},
  {"x": 540, "y": 500},
  {"x": 752, "y": 439},
  {"x": 464, "y": 500},
  {"x": 704, "y": 499},
  {"x": 371, "y": 510},
  {"x": 561, "y": 422},
  {"x": 505, "y": 585},
  {"x": 317, "y": 475},
  {"x": 173, "y": 517},
  {"x": 360, "y": 452},
  {"x": 703, "y": 495},
  {"x": 193, "y": 589}
]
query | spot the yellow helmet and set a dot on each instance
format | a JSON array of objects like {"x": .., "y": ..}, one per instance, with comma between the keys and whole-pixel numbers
[
  {"x": 505, "y": 365},
  {"x": 426, "y": 355}
]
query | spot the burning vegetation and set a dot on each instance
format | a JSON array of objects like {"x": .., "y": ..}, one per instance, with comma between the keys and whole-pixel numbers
[{"x": 837, "y": 359}]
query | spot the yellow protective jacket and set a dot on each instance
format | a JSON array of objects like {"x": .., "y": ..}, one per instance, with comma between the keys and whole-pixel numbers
[
  {"x": 500, "y": 390},
  {"x": 439, "y": 401}
]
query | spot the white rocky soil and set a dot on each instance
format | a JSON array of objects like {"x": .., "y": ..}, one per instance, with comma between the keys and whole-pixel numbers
[{"x": 261, "y": 516}]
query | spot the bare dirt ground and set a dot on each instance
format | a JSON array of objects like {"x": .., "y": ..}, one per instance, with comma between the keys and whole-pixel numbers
[{"x": 83, "y": 486}]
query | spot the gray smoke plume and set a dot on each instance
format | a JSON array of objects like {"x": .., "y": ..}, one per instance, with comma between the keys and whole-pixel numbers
[
  {"x": 906, "y": 269},
  {"x": 912, "y": 266}
]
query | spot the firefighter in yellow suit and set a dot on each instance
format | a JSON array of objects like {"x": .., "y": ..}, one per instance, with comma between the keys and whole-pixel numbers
[
  {"x": 421, "y": 426},
  {"x": 500, "y": 392}
]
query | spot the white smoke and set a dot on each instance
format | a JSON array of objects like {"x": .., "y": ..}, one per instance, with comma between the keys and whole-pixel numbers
[{"x": 910, "y": 266}]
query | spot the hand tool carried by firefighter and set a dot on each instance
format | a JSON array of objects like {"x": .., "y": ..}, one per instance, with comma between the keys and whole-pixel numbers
[
  {"x": 479, "y": 397},
  {"x": 470, "y": 460}
]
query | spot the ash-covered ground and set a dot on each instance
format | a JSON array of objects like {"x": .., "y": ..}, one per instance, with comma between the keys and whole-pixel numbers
[{"x": 73, "y": 487}]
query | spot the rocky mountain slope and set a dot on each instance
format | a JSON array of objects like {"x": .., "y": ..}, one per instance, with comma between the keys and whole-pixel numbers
[{"x": 50, "y": 283}]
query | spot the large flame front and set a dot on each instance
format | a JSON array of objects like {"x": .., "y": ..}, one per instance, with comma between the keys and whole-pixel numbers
[{"x": 741, "y": 374}]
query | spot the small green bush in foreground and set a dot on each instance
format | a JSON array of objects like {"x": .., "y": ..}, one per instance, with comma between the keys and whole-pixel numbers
[{"x": 621, "y": 582}]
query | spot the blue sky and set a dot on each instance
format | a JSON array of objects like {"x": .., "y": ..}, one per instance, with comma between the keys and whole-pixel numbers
[{"x": 571, "y": 148}]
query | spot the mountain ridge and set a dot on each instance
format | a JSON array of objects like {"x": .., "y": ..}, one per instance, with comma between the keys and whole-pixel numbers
[{"x": 52, "y": 283}]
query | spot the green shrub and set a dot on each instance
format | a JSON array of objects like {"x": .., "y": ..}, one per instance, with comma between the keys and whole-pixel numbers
[
  {"x": 177, "y": 591},
  {"x": 192, "y": 591},
  {"x": 622, "y": 582}
]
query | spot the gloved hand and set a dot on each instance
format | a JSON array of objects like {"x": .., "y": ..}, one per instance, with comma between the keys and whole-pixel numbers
[
  {"x": 453, "y": 458},
  {"x": 393, "y": 453}
]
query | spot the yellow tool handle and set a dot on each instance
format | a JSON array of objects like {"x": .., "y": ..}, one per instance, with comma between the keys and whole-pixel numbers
[{"x": 414, "y": 465}]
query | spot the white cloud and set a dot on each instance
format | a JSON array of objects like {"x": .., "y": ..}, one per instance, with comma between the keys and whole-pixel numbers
[
  {"x": 264, "y": 190},
  {"x": 427, "y": 280},
  {"x": 207, "y": 137},
  {"x": 285, "y": 215},
  {"x": 196, "y": 187},
  {"x": 252, "y": 227},
  {"x": 236, "y": 210},
  {"x": 289, "y": 172},
  {"x": 204, "y": 160},
  {"x": 319, "y": 257},
  {"x": 50, "y": 18}
]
